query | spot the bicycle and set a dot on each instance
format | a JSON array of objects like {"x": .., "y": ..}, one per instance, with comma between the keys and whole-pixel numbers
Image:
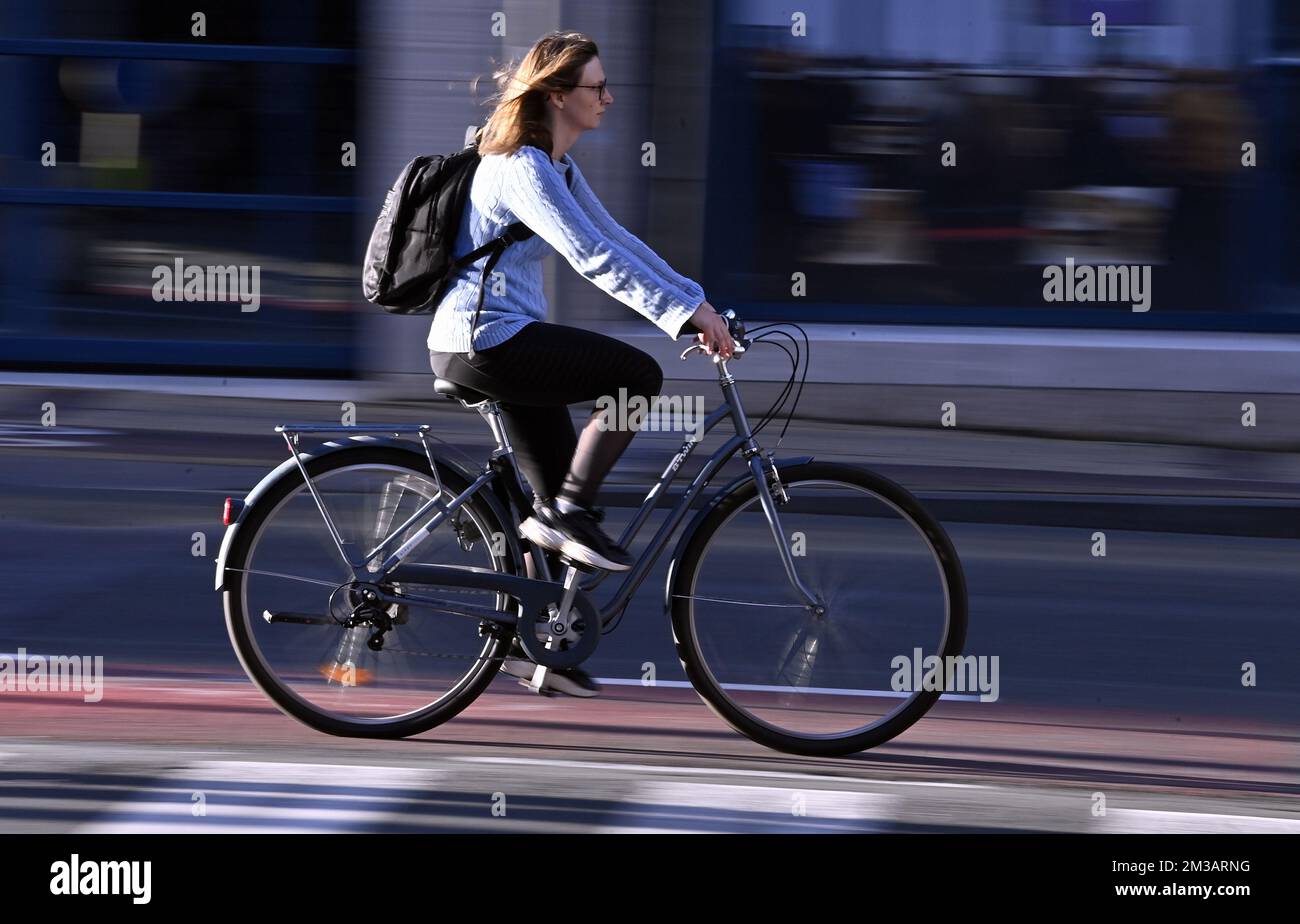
[{"x": 349, "y": 631}]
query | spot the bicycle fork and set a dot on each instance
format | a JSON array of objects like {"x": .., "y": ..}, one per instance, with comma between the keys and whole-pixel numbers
[
  {"x": 768, "y": 482},
  {"x": 795, "y": 667}
]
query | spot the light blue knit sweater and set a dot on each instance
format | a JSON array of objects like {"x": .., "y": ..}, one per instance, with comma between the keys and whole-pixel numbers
[{"x": 528, "y": 186}]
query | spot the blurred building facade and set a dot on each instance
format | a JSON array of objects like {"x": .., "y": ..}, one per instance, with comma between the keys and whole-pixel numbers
[
  {"x": 785, "y": 141},
  {"x": 1161, "y": 136},
  {"x": 134, "y": 133}
]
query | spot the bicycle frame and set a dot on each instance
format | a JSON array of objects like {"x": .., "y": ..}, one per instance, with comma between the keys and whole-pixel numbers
[{"x": 501, "y": 473}]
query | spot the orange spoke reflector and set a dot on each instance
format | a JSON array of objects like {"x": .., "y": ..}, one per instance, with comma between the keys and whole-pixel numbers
[{"x": 346, "y": 674}]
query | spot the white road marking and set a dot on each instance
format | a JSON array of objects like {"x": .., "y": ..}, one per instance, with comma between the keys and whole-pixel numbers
[
  {"x": 649, "y": 809},
  {"x": 282, "y": 783},
  {"x": 1151, "y": 821},
  {"x": 705, "y": 771}
]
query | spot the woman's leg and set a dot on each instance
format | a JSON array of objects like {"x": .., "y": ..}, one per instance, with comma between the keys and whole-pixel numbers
[
  {"x": 550, "y": 366},
  {"x": 600, "y": 446},
  {"x": 544, "y": 440},
  {"x": 543, "y": 437}
]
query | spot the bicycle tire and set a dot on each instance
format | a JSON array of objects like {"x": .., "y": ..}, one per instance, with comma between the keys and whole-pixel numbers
[
  {"x": 689, "y": 650},
  {"x": 477, "y": 678}
]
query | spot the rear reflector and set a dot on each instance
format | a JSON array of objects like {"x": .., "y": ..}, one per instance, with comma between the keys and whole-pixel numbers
[{"x": 230, "y": 512}]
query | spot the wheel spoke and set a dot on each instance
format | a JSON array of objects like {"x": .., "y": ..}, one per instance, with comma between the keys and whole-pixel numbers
[
  {"x": 797, "y": 665},
  {"x": 818, "y": 682},
  {"x": 795, "y": 606},
  {"x": 287, "y": 577},
  {"x": 426, "y": 665}
]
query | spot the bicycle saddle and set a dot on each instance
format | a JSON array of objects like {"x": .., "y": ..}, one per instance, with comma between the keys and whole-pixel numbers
[{"x": 458, "y": 392}]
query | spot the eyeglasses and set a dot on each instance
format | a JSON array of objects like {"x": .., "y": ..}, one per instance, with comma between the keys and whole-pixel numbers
[{"x": 602, "y": 87}]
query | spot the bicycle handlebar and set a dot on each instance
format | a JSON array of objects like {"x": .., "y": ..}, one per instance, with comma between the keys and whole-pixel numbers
[{"x": 735, "y": 327}]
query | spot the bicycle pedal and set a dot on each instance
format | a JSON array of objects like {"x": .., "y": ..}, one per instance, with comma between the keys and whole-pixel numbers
[
  {"x": 566, "y": 563},
  {"x": 527, "y": 685},
  {"x": 537, "y": 682}
]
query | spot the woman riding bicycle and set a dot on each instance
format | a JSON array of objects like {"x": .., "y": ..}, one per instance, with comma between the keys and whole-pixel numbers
[{"x": 535, "y": 369}]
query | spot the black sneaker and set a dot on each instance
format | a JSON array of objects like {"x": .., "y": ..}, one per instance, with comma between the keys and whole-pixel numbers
[
  {"x": 576, "y": 534},
  {"x": 538, "y": 533}
]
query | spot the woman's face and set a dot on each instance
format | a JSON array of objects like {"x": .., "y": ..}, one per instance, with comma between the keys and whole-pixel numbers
[{"x": 584, "y": 106}]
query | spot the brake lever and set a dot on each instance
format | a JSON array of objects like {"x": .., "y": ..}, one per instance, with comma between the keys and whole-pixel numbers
[{"x": 716, "y": 357}]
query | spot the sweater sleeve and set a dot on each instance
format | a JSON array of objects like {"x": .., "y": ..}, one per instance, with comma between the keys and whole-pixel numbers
[
  {"x": 535, "y": 192},
  {"x": 592, "y": 205}
]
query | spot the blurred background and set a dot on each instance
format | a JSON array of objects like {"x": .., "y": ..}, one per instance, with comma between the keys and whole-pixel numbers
[
  {"x": 1175, "y": 431},
  {"x": 775, "y": 153}
]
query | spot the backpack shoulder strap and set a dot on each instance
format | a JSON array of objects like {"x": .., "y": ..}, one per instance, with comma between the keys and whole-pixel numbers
[{"x": 517, "y": 231}]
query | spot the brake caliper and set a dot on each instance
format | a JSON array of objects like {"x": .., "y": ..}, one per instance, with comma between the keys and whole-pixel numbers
[{"x": 774, "y": 481}]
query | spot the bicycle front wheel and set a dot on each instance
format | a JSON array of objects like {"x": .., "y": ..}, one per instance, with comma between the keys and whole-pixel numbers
[{"x": 825, "y": 684}]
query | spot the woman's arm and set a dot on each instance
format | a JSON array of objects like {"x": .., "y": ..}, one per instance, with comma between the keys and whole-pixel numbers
[
  {"x": 535, "y": 192},
  {"x": 711, "y": 327},
  {"x": 587, "y": 199}
]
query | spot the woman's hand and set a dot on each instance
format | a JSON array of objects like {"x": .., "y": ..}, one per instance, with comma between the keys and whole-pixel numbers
[{"x": 714, "y": 333}]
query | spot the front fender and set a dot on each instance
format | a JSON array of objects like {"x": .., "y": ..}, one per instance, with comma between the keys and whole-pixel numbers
[
  {"x": 703, "y": 512},
  {"x": 282, "y": 470}
]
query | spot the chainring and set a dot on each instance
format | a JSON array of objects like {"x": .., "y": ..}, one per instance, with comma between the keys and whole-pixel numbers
[{"x": 575, "y": 641}]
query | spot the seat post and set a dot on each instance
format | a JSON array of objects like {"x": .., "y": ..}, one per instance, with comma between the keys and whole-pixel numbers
[{"x": 491, "y": 412}]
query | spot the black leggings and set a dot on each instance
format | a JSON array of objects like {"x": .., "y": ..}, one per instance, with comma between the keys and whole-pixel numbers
[{"x": 534, "y": 376}]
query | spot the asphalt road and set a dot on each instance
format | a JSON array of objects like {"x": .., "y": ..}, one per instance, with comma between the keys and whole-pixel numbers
[{"x": 1119, "y": 675}]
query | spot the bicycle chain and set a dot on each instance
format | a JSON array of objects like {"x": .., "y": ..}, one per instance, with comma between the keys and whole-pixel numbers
[
  {"x": 451, "y": 657},
  {"x": 444, "y": 657}
]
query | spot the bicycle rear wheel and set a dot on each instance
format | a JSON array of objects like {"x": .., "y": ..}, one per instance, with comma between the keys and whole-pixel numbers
[
  {"x": 289, "y": 597},
  {"x": 796, "y": 681}
]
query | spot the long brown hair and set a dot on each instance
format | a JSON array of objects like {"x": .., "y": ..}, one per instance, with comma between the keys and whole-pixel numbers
[{"x": 553, "y": 65}]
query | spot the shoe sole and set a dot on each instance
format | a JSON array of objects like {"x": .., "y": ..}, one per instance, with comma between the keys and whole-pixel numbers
[{"x": 539, "y": 533}]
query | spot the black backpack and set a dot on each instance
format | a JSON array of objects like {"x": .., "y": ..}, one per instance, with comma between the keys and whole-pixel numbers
[{"x": 408, "y": 263}]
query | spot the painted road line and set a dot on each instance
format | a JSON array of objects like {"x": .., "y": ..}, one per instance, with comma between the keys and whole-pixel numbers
[
  {"x": 1151, "y": 821},
  {"x": 267, "y": 796},
  {"x": 718, "y": 808}
]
